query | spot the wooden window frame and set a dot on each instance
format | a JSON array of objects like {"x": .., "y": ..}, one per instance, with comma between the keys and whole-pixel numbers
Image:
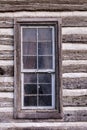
[{"x": 37, "y": 113}]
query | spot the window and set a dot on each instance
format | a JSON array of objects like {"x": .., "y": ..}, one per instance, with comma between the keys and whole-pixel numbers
[{"x": 37, "y": 68}]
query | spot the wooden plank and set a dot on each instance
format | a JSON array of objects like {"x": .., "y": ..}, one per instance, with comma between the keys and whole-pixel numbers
[
  {"x": 74, "y": 68},
  {"x": 6, "y": 55},
  {"x": 6, "y": 22},
  {"x": 75, "y": 114},
  {"x": 74, "y": 55},
  {"x": 6, "y": 70},
  {"x": 6, "y": 40},
  {"x": 70, "y": 66},
  {"x": 72, "y": 38},
  {"x": 71, "y": 114},
  {"x": 77, "y": 97},
  {"x": 44, "y": 126},
  {"x": 74, "y": 83},
  {"x": 41, "y": 6},
  {"x": 74, "y": 21}
]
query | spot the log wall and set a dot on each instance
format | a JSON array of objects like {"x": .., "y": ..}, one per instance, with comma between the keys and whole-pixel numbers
[{"x": 74, "y": 62}]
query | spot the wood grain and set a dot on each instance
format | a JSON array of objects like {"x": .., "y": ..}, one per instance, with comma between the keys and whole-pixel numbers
[{"x": 75, "y": 83}]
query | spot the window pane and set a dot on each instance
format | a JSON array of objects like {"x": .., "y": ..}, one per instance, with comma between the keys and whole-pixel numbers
[
  {"x": 30, "y": 78},
  {"x": 29, "y": 62},
  {"x": 30, "y": 101},
  {"x": 30, "y": 88},
  {"x": 45, "y": 48},
  {"x": 45, "y": 101},
  {"x": 29, "y": 35},
  {"x": 44, "y": 88},
  {"x": 45, "y": 62},
  {"x": 44, "y": 78},
  {"x": 29, "y": 48},
  {"x": 45, "y": 34}
]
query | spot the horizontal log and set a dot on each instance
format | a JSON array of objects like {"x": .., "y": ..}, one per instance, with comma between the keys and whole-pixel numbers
[
  {"x": 44, "y": 1},
  {"x": 74, "y": 55},
  {"x": 74, "y": 83},
  {"x": 66, "y": 22},
  {"x": 72, "y": 38},
  {"x": 78, "y": 21},
  {"x": 74, "y": 68},
  {"x": 71, "y": 114},
  {"x": 6, "y": 55},
  {"x": 75, "y": 114},
  {"x": 6, "y": 70},
  {"x": 70, "y": 66},
  {"x": 44, "y": 126},
  {"x": 77, "y": 97},
  {"x": 6, "y": 40},
  {"x": 6, "y": 22},
  {"x": 74, "y": 21},
  {"x": 41, "y": 6},
  {"x": 6, "y": 79}
]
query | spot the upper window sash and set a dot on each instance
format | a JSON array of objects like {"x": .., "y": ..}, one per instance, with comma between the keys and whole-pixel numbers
[{"x": 52, "y": 56}]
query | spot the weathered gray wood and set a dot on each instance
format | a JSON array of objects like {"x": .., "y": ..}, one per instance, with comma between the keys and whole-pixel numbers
[
  {"x": 43, "y": 5},
  {"x": 6, "y": 55},
  {"x": 69, "y": 115},
  {"x": 6, "y": 70},
  {"x": 74, "y": 55},
  {"x": 75, "y": 83},
  {"x": 6, "y": 40},
  {"x": 7, "y": 22},
  {"x": 74, "y": 68},
  {"x": 75, "y": 100},
  {"x": 74, "y": 38},
  {"x": 76, "y": 115},
  {"x": 74, "y": 21}
]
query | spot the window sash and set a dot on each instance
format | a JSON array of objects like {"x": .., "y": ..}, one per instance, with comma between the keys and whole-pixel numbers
[{"x": 53, "y": 51}]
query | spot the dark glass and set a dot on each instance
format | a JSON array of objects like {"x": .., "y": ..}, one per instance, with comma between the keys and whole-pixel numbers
[
  {"x": 45, "y": 48},
  {"x": 29, "y": 35},
  {"x": 45, "y": 62},
  {"x": 45, "y": 34},
  {"x": 30, "y": 100},
  {"x": 45, "y": 100},
  {"x": 30, "y": 78},
  {"x": 29, "y": 62},
  {"x": 29, "y": 48},
  {"x": 44, "y": 88},
  {"x": 44, "y": 78},
  {"x": 30, "y": 88}
]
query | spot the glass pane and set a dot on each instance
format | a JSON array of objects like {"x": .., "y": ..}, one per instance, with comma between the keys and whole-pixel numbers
[
  {"x": 45, "y": 34},
  {"x": 30, "y": 101},
  {"x": 45, "y": 62},
  {"x": 30, "y": 88},
  {"x": 29, "y": 35},
  {"x": 45, "y": 101},
  {"x": 29, "y": 62},
  {"x": 45, "y": 48},
  {"x": 44, "y": 88},
  {"x": 30, "y": 78},
  {"x": 29, "y": 48},
  {"x": 44, "y": 78}
]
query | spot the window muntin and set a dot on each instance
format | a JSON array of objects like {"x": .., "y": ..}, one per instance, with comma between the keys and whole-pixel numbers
[{"x": 38, "y": 63}]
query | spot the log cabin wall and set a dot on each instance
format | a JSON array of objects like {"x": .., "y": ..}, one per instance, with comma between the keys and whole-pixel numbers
[{"x": 74, "y": 61}]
